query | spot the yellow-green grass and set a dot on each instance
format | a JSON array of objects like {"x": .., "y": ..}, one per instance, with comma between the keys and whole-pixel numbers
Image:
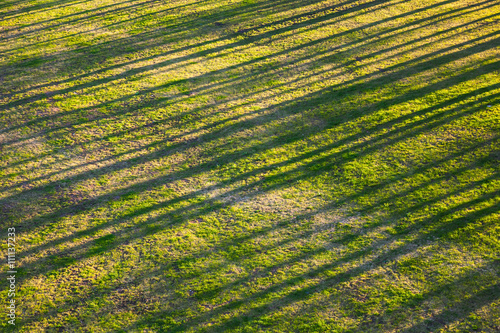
[{"x": 251, "y": 166}]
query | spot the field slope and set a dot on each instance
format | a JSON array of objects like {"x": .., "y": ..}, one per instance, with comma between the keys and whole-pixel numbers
[{"x": 251, "y": 165}]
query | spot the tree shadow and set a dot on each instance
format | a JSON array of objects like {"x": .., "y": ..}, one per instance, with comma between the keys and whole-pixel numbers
[{"x": 219, "y": 259}]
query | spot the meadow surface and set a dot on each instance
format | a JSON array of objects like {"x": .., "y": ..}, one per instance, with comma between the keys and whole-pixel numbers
[{"x": 250, "y": 165}]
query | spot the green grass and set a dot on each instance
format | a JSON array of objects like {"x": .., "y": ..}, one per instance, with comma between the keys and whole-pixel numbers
[{"x": 251, "y": 166}]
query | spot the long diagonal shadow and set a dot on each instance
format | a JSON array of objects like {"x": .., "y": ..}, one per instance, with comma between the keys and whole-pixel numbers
[
  {"x": 313, "y": 252},
  {"x": 206, "y": 206},
  {"x": 439, "y": 61},
  {"x": 344, "y": 276},
  {"x": 151, "y": 124},
  {"x": 477, "y": 207},
  {"x": 417, "y": 23},
  {"x": 244, "y": 153}
]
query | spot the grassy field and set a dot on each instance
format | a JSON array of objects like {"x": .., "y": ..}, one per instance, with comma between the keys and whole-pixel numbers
[{"x": 251, "y": 165}]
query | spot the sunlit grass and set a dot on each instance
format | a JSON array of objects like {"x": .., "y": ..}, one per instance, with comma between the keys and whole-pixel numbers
[{"x": 252, "y": 166}]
